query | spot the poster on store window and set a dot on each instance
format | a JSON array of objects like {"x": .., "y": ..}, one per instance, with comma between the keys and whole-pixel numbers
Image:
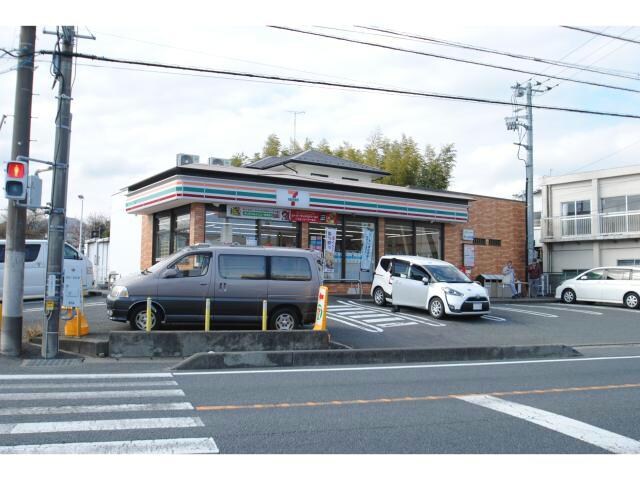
[
  {"x": 366, "y": 254},
  {"x": 315, "y": 243},
  {"x": 329, "y": 249}
]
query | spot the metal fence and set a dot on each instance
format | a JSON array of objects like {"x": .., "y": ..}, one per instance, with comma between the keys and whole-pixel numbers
[{"x": 600, "y": 224}]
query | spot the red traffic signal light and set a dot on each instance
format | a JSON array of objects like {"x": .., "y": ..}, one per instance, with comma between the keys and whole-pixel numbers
[{"x": 15, "y": 170}]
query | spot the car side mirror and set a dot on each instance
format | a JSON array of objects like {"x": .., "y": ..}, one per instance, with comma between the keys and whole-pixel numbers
[
  {"x": 425, "y": 280},
  {"x": 170, "y": 273}
]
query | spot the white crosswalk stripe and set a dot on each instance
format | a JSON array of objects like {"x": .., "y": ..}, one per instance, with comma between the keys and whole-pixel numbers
[{"x": 62, "y": 410}]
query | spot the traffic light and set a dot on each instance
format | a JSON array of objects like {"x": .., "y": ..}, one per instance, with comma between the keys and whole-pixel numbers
[{"x": 16, "y": 180}]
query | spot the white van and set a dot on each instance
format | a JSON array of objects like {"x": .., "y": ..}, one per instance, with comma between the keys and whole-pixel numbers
[
  {"x": 434, "y": 285},
  {"x": 35, "y": 267}
]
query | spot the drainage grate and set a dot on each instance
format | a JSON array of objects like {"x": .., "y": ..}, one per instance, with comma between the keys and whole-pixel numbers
[{"x": 52, "y": 362}]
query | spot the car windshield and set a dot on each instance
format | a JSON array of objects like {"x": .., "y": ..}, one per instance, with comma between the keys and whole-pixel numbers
[
  {"x": 163, "y": 263},
  {"x": 447, "y": 273}
]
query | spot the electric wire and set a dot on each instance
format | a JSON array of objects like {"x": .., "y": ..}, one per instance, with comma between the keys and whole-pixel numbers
[
  {"x": 605, "y": 157},
  {"x": 594, "y": 32},
  {"x": 442, "y": 96},
  {"x": 454, "y": 59}
]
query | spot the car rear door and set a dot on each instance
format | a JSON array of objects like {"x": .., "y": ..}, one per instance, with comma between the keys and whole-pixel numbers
[
  {"x": 240, "y": 286},
  {"x": 615, "y": 284}
]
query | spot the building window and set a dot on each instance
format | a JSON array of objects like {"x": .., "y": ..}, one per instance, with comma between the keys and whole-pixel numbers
[
  {"x": 317, "y": 242},
  {"x": 278, "y": 234},
  {"x": 537, "y": 216},
  {"x": 575, "y": 219},
  {"x": 398, "y": 237},
  {"x": 427, "y": 240},
  {"x": 479, "y": 241},
  {"x": 620, "y": 214},
  {"x": 634, "y": 262},
  {"x": 170, "y": 232},
  {"x": 223, "y": 230},
  {"x": 495, "y": 243},
  {"x": 356, "y": 230}
]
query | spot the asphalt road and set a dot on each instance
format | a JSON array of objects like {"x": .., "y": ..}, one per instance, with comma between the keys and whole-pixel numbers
[{"x": 552, "y": 406}]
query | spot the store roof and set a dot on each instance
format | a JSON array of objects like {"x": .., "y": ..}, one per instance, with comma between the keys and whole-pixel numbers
[{"x": 315, "y": 157}]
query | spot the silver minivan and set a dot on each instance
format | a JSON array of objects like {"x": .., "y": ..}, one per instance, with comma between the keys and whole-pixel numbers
[{"x": 235, "y": 279}]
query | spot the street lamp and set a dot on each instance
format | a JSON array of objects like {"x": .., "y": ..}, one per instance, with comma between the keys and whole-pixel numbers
[{"x": 81, "y": 197}]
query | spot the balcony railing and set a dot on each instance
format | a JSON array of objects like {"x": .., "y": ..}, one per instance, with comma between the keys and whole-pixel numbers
[{"x": 589, "y": 226}]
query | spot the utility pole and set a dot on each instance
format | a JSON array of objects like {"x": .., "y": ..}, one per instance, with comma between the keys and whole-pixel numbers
[
  {"x": 63, "y": 64},
  {"x": 11, "y": 334},
  {"x": 295, "y": 117}
]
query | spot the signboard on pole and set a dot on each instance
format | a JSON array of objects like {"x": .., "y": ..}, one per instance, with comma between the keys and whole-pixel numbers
[
  {"x": 72, "y": 287},
  {"x": 321, "y": 310},
  {"x": 366, "y": 254},
  {"x": 329, "y": 249}
]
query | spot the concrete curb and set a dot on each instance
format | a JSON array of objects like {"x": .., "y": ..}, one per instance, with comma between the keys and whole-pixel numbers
[
  {"x": 90, "y": 347},
  {"x": 306, "y": 358}
]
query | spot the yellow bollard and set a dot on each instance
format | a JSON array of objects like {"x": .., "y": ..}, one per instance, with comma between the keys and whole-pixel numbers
[
  {"x": 264, "y": 315},
  {"x": 148, "y": 314},
  {"x": 207, "y": 315}
]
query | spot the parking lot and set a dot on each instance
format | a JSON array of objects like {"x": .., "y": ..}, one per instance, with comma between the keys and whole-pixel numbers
[{"x": 361, "y": 324}]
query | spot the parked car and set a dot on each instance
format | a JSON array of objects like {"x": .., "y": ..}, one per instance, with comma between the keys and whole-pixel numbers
[
  {"x": 35, "y": 266},
  {"x": 434, "y": 285},
  {"x": 236, "y": 279},
  {"x": 607, "y": 284}
]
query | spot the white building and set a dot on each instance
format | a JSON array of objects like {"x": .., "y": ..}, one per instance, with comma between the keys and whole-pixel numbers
[{"x": 591, "y": 219}]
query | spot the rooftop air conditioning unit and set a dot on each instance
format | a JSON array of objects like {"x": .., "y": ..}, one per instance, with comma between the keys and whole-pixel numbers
[
  {"x": 186, "y": 159},
  {"x": 220, "y": 162}
]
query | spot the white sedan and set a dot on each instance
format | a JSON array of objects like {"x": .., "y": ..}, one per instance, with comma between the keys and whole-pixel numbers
[{"x": 607, "y": 284}]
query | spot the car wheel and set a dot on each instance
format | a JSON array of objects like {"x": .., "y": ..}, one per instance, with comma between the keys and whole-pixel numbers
[
  {"x": 138, "y": 318},
  {"x": 569, "y": 296},
  {"x": 631, "y": 300},
  {"x": 436, "y": 308},
  {"x": 284, "y": 320},
  {"x": 378, "y": 297}
]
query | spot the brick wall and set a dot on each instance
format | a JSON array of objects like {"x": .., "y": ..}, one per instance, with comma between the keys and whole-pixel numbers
[
  {"x": 146, "y": 251},
  {"x": 343, "y": 288},
  {"x": 197, "y": 223},
  {"x": 491, "y": 218},
  {"x": 304, "y": 235}
]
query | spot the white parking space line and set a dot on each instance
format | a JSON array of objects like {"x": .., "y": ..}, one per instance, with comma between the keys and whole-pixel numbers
[
  {"x": 378, "y": 319},
  {"x": 73, "y": 409},
  {"x": 163, "y": 383},
  {"x": 565, "y": 309},
  {"x": 366, "y": 328},
  {"x": 599, "y": 437},
  {"x": 528, "y": 312},
  {"x": 493, "y": 318},
  {"x": 368, "y": 315},
  {"x": 84, "y": 376},
  {"x": 610, "y": 308},
  {"x": 98, "y": 425},
  {"x": 427, "y": 321},
  {"x": 162, "y": 446},
  {"x": 397, "y": 324},
  {"x": 94, "y": 394}
]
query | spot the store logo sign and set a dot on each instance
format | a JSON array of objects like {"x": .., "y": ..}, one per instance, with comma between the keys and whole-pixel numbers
[{"x": 292, "y": 198}]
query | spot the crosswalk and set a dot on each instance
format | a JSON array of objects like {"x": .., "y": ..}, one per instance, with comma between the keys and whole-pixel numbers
[{"x": 98, "y": 414}]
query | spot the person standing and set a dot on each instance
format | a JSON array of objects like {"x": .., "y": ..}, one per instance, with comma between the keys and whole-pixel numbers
[
  {"x": 509, "y": 277},
  {"x": 535, "y": 273}
]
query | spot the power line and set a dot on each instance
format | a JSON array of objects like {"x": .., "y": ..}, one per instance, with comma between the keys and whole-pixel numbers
[
  {"x": 335, "y": 84},
  {"x": 558, "y": 63},
  {"x": 624, "y": 39},
  {"x": 454, "y": 59},
  {"x": 605, "y": 157}
]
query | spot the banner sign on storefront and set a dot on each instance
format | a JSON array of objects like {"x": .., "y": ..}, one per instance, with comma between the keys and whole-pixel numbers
[
  {"x": 292, "y": 198},
  {"x": 314, "y": 217},
  {"x": 367, "y": 249},
  {"x": 258, "y": 212},
  {"x": 329, "y": 249},
  {"x": 469, "y": 254}
]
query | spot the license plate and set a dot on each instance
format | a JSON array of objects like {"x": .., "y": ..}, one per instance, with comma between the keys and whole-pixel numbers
[{"x": 477, "y": 306}]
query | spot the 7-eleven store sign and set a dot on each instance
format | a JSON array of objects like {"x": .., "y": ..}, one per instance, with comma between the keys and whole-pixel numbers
[{"x": 292, "y": 198}]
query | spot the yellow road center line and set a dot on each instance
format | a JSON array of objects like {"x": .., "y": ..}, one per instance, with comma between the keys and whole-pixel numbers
[{"x": 412, "y": 399}]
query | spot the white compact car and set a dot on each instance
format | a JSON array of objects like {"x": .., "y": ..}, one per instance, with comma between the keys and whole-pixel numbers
[
  {"x": 434, "y": 285},
  {"x": 606, "y": 284}
]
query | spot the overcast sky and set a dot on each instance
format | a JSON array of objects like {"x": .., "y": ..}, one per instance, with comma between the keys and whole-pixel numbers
[{"x": 129, "y": 122}]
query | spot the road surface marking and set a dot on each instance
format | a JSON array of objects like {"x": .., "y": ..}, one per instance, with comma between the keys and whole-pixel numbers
[
  {"x": 367, "y": 316},
  {"x": 396, "y": 324},
  {"x": 73, "y": 409},
  {"x": 382, "y": 319},
  {"x": 493, "y": 318},
  {"x": 367, "y": 328},
  {"x": 419, "y": 366},
  {"x": 93, "y": 394},
  {"x": 463, "y": 396},
  {"x": 584, "y": 432},
  {"x": 528, "y": 312},
  {"x": 162, "y": 446},
  {"x": 425, "y": 321},
  {"x": 163, "y": 383},
  {"x": 85, "y": 376},
  {"x": 40, "y": 309},
  {"x": 98, "y": 425},
  {"x": 566, "y": 309}
]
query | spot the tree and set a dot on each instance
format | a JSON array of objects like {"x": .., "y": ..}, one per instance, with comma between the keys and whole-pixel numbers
[
  {"x": 324, "y": 147},
  {"x": 239, "y": 159},
  {"x": 437, "y": 168},
  {"x": 97, "y": 225},
  {"x": 37, "y": 226},
  {"x": 272, "y": 146}
]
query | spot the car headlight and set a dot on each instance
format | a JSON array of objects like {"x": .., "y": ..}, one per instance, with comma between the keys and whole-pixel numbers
[
  {"x": 119, "y": 291},
  {"x": 451, "y": 291}
]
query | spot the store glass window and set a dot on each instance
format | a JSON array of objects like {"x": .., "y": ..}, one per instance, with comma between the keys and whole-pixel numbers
[
  {"x": 359, "y": 241},
  {"x": 333, "y": 271},
  {"x": 427, "y": 240},
  {"x": 278, "y": 234},
  {"x": 223, "y": 230},
  {"x": 181, "y": 230},
  {"x": 162, "y": 235},
  {"x": 398, "y": 237}
]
